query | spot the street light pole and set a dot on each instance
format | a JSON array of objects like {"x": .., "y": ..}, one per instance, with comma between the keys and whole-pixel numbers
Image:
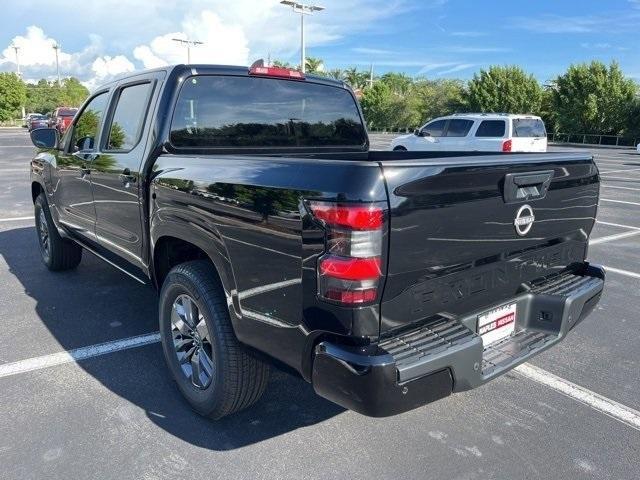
[
  {"x": 16, "y": 48},
  {"x": 188, "y": 43},
  {"x": 303, "y": 10},
  {"x": 56, "y": 47}
]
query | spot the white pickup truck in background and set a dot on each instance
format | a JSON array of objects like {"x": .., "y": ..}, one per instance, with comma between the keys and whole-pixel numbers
[{"x": 477, "y": 132}]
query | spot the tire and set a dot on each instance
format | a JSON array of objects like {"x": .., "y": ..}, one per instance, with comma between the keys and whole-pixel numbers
[
  {"x": 224, "y": 378},
  {"x": 57, "y": 253},
  {"x": 399, "y": 148}
]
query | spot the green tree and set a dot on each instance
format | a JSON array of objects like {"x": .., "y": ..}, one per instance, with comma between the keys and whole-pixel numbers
[
  {"x": 356, "y": 79},
  {"x": 593, "y": 98},
  {"x": 45, "y": 96},
  {"x": 13, "y": 95},
  {"x": 72, "y": 92},
  {"x": 313, "y": 65},
  {"x": 504, "y": 89},
  {"x": 436, "y": 98}
]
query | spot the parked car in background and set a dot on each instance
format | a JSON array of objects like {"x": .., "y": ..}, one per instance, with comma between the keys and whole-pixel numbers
[
  {"x": 478, "y": 132},
  {"x": 27, "y": 119},
  {"x": 37, "y": 121},
  {"x": 62, "y": 117}
]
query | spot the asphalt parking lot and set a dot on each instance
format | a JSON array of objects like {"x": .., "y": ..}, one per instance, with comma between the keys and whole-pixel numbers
[{"x": 117, "y": 414}]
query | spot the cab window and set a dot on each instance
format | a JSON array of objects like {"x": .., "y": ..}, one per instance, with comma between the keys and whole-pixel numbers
[
  {"x": 459, "y": 127},
  {"x": 128, "y": 118},
  {"x": 434, "y": 129},
  {"x": 491, "y": 128},
  {"x": 85, "y": 130}
]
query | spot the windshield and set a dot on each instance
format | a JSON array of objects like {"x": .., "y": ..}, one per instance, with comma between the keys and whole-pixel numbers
[
  {"x": 528, "y": 127},
  {"x": 236, "y": 112}
]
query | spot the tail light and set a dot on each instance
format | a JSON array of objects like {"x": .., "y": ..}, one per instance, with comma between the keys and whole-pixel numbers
[
  {"x": 350, "y": 271},
  {"x": 506, "y": 145}
]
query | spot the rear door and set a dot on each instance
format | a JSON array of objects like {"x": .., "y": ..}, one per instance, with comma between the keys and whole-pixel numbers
[
  {"x": 456, "y": 136},
  {"x": 454, "y": 244},
  {"x": 489, "y": 135},
  {"x": 529, "y": 135},
  {"x": 116, "y": 173}
]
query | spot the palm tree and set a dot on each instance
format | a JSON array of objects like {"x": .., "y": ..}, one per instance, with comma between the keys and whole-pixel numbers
[
  {"x": 313, "y": 65},
  {"x": 357, "y": 80}
]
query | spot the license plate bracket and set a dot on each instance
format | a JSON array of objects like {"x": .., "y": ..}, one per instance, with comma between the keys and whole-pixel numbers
[{"x": 497, "y": 323}]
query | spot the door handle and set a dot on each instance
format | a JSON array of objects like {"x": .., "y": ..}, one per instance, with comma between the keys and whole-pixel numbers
[{"x": 520, "y": 187}]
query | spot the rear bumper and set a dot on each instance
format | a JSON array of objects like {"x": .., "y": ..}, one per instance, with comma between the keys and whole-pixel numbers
[{"x": 445, "y": 355}]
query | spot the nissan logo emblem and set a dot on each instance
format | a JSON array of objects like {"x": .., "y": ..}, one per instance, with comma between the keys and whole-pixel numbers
[{"x": 524, "y": 220}]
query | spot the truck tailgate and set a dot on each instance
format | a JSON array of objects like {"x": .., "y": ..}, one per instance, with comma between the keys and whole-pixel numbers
[{"x": 466, "y": 232}]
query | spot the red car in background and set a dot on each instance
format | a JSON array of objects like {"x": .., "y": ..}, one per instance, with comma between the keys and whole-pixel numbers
[{"x": 62, "y": 117}]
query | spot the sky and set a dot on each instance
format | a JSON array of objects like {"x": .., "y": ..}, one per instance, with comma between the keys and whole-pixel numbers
[{"x": 101, "y": 39}]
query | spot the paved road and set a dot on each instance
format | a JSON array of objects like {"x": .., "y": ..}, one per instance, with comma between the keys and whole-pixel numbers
[{"x": 119, "y": 416}]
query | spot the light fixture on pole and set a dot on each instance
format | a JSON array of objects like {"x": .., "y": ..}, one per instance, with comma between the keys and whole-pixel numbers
[
  {"x": 188, "y": 43},
  {"x": 303, "y": 10},
  {"x": 16, "y": 48},
  {"x": 57, "y": 47}
]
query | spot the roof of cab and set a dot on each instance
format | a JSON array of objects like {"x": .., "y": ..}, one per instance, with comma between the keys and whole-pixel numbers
[{"x": 206, "y": 69}]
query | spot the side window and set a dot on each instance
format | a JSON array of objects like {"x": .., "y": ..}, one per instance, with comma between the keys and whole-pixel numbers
[
  {"x": 126, "y": 125},
  {"x": 491, "y": 128},
  {"x": 85, "y": 129},
  {"x": 434, "y": 129},
  {"x": 459, "y": 127}
]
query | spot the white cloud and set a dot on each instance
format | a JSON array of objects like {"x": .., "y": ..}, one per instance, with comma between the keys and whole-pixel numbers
[
  {"x": 139, "y": 36},
  {"x": 35, "y": 49}
]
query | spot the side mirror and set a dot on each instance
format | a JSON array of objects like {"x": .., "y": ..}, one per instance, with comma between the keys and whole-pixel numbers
[
  {"x": 423, "y": 133},
  {"x": 45, "y": 137}
]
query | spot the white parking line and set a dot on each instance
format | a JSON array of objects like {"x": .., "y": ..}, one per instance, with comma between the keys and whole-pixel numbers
[
  {"x": 622, "y": 272},
  {"x": 618, "y": 171},
  {"x": 620, "y": 188},
  {"x": 620, "y": 225},
  {"x": 609, "y": 407},
  {"x": 618, "y": 201},
  {"x": 46, "y": 361},
  {"x": 617, "y": 236},
  {"x": 15, "y": 219}
]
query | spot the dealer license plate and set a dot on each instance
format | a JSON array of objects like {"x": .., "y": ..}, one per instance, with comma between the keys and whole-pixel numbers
[{"x": 497, "y": 324}]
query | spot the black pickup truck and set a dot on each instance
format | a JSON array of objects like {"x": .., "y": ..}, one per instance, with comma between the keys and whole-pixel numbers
[{"x": 250, "y": 199}]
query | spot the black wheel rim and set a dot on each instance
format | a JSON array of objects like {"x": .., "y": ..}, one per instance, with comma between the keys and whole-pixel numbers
[
  {"x": 43, "y": 235},
  {"x": 191, "y": 341}
]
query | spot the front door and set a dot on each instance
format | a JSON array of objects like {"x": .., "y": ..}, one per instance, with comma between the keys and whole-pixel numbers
[
  {"x": 116, "y": 175},
  {"x": 73, "y": 198}
]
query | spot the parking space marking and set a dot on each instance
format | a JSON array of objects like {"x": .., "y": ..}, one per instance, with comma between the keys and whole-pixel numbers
[
  {"x": 619, "y": 225},
  {"x": 609, "y": 407},
  {"x": 15, "y": 219},
  {"x": 617, "y": 236},
  {"x": 72, "y": 356},
  {"x": 618, "y": 201},
  {"x": 618, "y": 171},
  {"x": 620, "y": 188},
  {"x": 622, "y": 272}
]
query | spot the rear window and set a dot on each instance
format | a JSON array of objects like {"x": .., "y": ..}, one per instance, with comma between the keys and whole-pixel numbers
[
  {"x": 236, "y": 112},
  {"x": 67, "y": 112},
  {"x": 459, "y": 127},
  {"x": 528, "y": 127},
  {"x": 491, "y": 128}
]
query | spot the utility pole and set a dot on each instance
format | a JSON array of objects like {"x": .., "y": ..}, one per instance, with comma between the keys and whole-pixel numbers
[
  {"x": 188, "y": 43},
  {"x": 15, "y": 49},
  {"x": 303, "y": 10},
  {"x": 371, "y": 76},
  {"x": 56, "y": 47}
]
